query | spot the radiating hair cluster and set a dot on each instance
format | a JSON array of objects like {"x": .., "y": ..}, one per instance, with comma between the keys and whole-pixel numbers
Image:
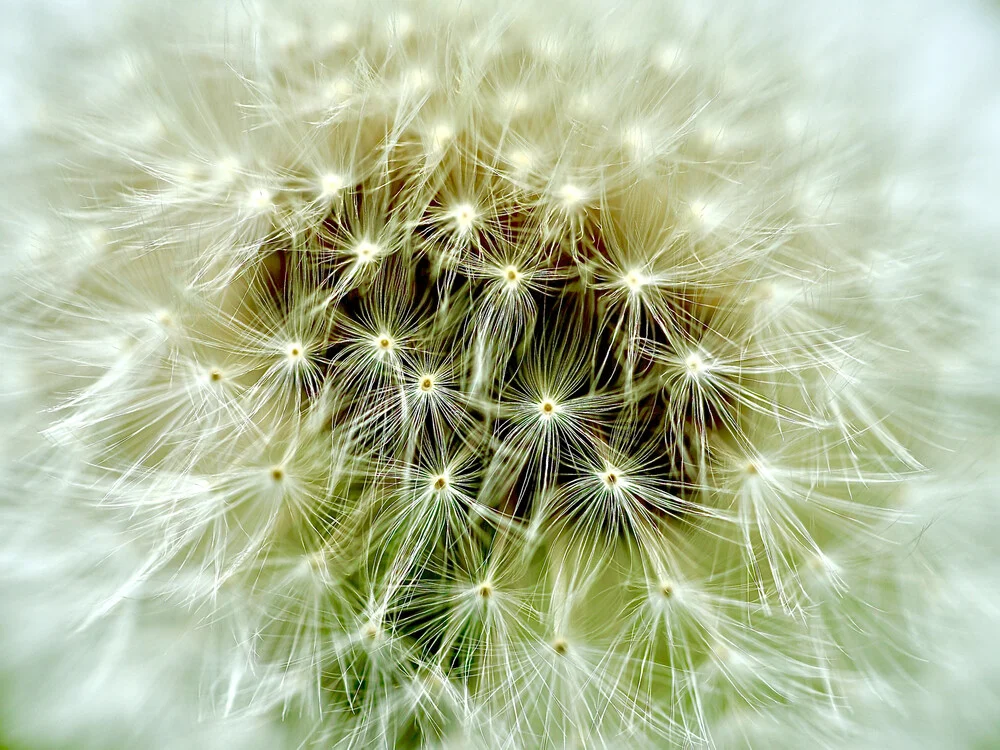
[{"x": 491, "y": 377}]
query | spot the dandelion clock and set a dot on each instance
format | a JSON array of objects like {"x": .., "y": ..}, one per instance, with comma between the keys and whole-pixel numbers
[{"x": 461, "y": 374}]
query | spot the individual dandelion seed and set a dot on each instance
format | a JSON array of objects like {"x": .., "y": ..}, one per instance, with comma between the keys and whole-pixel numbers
[
  {"x": 477, "y": 370},
  {"x": 331, "y": 184}
]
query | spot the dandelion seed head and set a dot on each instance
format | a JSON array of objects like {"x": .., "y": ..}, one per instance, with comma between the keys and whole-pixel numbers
[
  {"x": 521, "y": 159},
  {"x": 371, "y": 632},
  {"x": 338, "y": 89},
  {"x": 331, "y": 184},
  {"x": 441, "y": 136},
  {"x": 705, "y": 213},
  {"x": 696, "y": 365},
  {"x": 384, "y": 343},
  {"x": 638, "y": 140},
  {"x": 366, "y": 251},
  {"x": 341, "y": 32},
  {"x": 260, "y": 199},
  {"x": 584, "y": 103},
  {"x": 226, "y": 170},
  {"x": 164, "y": 319},
  {"x": 613, "y": 478},
  {"x": 669, "y": 57},
  {"x": 548, "y": 409},
  {"x": 635, "y": 280},
  {"x": 464, "y": 216},
  {"x": 571, "y": 196},
  {"x": 516, "y": 101},
  {"x": 490, "y": 376}
]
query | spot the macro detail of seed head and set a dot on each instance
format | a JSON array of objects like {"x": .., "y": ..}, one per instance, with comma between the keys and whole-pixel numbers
[{"x": 483, "y": 375}]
